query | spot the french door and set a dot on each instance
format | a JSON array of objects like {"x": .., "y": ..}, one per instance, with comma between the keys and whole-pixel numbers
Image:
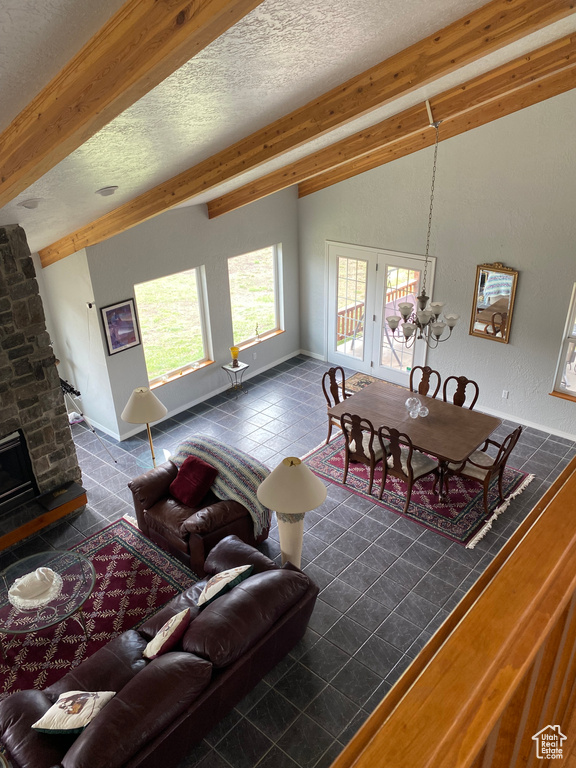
[{"x": 365, "y": 287}]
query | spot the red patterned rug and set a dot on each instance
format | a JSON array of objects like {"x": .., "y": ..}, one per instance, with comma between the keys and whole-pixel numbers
[
  {"x": 461, "y": 517},
  {"x": 134, "y": 579}
]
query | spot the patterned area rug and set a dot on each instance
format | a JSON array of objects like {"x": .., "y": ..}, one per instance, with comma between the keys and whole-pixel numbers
[
  {"x": 134, "y": 579},
  {"x": 461, "y": 517}
]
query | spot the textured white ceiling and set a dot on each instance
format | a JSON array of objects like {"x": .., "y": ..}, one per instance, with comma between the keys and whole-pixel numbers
[{"x": 277, "y": 58}]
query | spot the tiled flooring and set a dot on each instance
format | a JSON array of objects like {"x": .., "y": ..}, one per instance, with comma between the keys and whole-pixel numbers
[{"x": 386, "y": 583}]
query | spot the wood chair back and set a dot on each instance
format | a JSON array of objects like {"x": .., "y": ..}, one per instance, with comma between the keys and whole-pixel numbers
[
  {"x": 506, "y": 448},
  {"x": 392, "y": 441},
  {"x": 333, "y": 384},
  {"x": 361, "y": 444},
  {"x": 425, "y": 383},
  {"x": 459, "y": 396},
  {"x": 334, "y": 388}
]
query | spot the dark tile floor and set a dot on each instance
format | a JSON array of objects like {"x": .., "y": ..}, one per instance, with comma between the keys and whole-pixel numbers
[{"x": 386, "y": 583}]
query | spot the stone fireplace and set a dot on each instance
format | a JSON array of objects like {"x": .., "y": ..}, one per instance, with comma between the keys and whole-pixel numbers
[{"x": 31, "y": 400}]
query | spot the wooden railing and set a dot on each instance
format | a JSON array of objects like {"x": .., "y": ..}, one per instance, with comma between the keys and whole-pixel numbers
[
  {"x": 349, "y": 321},
  {"x": 401, "y": 291},
  {"x": 502, "y": 666}
]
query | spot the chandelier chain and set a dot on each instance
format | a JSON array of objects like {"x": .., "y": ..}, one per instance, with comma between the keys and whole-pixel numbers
[{"x": 436, "y": 126}]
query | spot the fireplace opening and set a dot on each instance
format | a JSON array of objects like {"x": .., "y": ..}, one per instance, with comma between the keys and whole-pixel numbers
[{"x": 17, "y": 481}]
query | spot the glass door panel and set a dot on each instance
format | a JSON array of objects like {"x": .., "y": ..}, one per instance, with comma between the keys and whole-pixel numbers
[
  {"x": 399, "y": 281},
  {"x": 351, "y": 306}
]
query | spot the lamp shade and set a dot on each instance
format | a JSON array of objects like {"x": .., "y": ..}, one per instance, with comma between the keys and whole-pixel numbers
[
  {"x": 143, "y": 407},
  {"x": 292, "y": 488}
]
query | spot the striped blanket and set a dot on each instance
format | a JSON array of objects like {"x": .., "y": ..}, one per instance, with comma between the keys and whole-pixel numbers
[{"x": 239, "y": 475}]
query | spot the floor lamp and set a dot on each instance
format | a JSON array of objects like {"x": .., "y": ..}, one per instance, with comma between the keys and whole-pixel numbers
[
  {"x": 144, "y": 407},
  {"x": 292, "y": 490}
]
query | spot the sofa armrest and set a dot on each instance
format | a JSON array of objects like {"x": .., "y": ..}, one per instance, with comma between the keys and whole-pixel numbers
[
  {"x": 213, "y": 517},
  {"x": 148, "y": 488},
  {"x": 232, "y": 552},
  {"x": 25, "y": 746},
  {"x": 147, "y": 705}
]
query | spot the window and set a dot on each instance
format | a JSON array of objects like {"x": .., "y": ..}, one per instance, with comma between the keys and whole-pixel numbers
[
  {"x": 173, "y": 322},
  {"x": 565, "y": 382},
  {"x": 253, "y": 279}
]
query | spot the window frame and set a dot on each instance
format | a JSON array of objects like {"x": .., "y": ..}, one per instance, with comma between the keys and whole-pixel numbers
[
  {"x": 568, "y": 336},
  {"x": 278, "y": 306},
  {"x": 205, "y": 330}
]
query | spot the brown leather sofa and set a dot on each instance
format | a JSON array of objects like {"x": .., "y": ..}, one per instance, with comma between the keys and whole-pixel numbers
[
  {"x": 188, "y": 533},
  {"x": 162, "y": 708}
]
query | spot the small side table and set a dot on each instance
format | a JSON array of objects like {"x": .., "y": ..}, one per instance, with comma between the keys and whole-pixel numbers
[{"x": 235, "y": 374}]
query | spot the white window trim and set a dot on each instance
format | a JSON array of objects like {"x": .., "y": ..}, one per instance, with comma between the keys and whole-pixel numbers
[
  {"x": 205, "y": 330},
  {"x": 567, "y": 337},
  {"x": 278, "y": 298}
]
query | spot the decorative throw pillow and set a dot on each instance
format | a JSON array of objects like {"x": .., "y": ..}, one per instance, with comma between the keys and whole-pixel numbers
[
  {"x": 223, "y": 582},
  {"x": 73, "y": 711},
  {"x": 193, "y": 481},
  {"x": 168, "y": 635}
]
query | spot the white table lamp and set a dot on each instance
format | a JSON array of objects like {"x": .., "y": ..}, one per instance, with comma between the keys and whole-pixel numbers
[
  {"x": 144, "y": 407},
  {"x": 291, "y": 490}
]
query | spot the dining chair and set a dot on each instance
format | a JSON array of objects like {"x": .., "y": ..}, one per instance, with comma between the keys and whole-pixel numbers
[
  {"x": 424, "y": 384},
  {"x": 333, "y": 386},
  {"x": 483, "y": 468},
  {"x": 361, "y": 444},
  {"x": 459, "y": 396},
  {"x": 402, "y": 461}
]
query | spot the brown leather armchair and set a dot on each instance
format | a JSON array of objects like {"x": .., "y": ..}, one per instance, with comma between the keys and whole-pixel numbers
[{"x": 188, "y": 533}]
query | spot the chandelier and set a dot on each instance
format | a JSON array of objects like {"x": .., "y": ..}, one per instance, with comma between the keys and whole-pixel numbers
[{"x": 424, "y": 322}]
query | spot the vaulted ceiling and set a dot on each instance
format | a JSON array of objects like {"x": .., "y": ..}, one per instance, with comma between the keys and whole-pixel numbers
[{"x": 183, "y": 102}]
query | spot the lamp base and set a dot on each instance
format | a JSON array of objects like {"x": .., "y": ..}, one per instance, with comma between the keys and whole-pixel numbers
[{"x": 291, "y": 533}]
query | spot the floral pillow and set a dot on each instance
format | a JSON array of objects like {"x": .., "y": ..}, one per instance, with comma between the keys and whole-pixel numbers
[
  {"x": 168, "y": 635},
  {"x": 223, "y": 582},
  {"x": 73, "y": 711}
]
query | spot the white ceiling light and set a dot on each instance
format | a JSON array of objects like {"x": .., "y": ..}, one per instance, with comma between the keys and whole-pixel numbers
[
  {"x": 32, "y": 203},
  {"x": 106, "y": 191}
]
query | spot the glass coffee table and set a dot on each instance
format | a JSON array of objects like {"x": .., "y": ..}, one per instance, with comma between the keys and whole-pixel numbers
[{"x": 78, "y": 578}]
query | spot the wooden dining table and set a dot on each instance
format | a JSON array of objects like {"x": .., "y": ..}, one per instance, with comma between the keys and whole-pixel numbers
[{"x": 449, "y": 432}]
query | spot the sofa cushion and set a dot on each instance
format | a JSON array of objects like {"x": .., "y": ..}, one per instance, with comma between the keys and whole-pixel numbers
[
  {"x": 72, "y": 712},
  {"x": 187, "y": 599},
  {"x": 168, "y": 635},
  {"x": 109, "y": 669},
  {"x": 223, "y": 582},
  {"x": 193, "y": 481},
  {"x": 146, "y": 706},
  {"x": 231, "y": 552},
  {"x": 231, "y": 625}
]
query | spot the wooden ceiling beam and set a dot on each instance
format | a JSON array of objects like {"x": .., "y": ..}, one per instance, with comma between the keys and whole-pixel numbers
[
  {"x": 141, "y": 45},
  {"x": 496, "y": 84},
  {"x": 533, "y": 93},
  {"x": 483, "y": 31}
]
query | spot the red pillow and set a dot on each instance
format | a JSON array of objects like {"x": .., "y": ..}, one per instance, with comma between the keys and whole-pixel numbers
[{"x": 193, "y": 481}]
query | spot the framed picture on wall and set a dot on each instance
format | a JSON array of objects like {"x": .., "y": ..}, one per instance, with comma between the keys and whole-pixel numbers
[{"x": 120, "y": 326}]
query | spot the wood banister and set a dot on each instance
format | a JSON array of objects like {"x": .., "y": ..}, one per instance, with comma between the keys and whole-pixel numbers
[{"x": 500, "y": 668}]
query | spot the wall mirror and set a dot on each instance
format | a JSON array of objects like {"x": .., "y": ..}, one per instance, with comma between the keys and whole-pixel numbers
[{"x": 493, "y": 302}]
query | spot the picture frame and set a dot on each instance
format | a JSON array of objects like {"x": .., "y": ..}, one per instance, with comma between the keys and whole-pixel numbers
[{"x": 120, "y": 326}]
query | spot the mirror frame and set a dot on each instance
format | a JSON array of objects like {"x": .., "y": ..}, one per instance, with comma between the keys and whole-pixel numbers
[{"x": 486, "y": 334}]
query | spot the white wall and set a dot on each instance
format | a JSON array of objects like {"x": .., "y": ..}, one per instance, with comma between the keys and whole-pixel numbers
[
  {"x": 66, "y": 290},
  {"x": 504, "y": 192},
  {"x": 179, "y": 240}
]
